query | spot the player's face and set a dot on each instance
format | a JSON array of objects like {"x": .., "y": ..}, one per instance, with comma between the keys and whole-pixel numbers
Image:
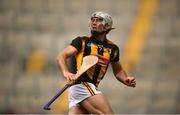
[{"x": 97, "y": 24}]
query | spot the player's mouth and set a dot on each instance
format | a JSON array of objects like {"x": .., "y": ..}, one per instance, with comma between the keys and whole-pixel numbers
[{"x": 94, "y": 28}]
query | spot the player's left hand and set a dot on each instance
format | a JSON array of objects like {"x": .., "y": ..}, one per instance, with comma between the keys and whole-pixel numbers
[{"x": 130, "y": 81}]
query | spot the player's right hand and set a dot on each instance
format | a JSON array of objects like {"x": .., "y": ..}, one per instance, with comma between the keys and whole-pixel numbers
[{"x": 70, "y": 77}]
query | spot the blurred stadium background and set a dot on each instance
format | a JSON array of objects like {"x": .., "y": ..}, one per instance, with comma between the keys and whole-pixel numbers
[{"x": 32, "y": 32}]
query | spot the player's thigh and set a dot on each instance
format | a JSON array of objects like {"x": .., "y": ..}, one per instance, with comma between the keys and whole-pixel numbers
[
  {"x": 77, "y": 110},
  {"x": 97, "y": 104}
]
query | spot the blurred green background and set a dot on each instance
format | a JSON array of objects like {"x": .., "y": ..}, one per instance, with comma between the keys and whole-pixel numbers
[{"x": 33, "y": 32}]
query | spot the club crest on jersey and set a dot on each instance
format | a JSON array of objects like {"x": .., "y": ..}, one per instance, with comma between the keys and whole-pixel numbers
[
  {"x": 109, "y": 50},
  {"x": 100, "y": 47}
]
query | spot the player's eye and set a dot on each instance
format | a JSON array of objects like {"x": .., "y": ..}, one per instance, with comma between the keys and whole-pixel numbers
[{"x": 93, "y": 19}]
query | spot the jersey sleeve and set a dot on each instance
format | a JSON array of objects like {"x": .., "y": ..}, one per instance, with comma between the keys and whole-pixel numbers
[
  {"x": 77, "y": 43},
  {"x": 115, "y": 54}
]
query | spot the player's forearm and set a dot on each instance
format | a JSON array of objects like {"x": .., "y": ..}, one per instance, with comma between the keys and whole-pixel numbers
[
  {"x": 62, "y": 63},
  {"x": 121, "y": 76}
]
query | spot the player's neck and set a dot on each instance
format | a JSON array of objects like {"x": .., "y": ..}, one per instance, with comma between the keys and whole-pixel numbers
[{"x": 101, "y": 37}]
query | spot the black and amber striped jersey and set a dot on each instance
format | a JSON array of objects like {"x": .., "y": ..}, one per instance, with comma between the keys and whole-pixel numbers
[{"x": 106, "y": 51}]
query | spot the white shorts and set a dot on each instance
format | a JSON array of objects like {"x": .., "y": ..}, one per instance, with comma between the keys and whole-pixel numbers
[{"x": 79, "y": 92}]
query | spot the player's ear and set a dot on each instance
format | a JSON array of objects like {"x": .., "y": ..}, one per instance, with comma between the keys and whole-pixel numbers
[{"x": 106, "y": 26}]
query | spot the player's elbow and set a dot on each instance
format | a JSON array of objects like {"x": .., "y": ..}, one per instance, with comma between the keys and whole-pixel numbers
[{"x": 57, "y": 59}]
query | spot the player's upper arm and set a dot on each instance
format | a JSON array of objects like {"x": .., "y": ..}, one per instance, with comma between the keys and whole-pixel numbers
[
  {"x": 116, "y": 66},
  {"x": 72, "y": 49},
  {"x": 69, "y": 51}
]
